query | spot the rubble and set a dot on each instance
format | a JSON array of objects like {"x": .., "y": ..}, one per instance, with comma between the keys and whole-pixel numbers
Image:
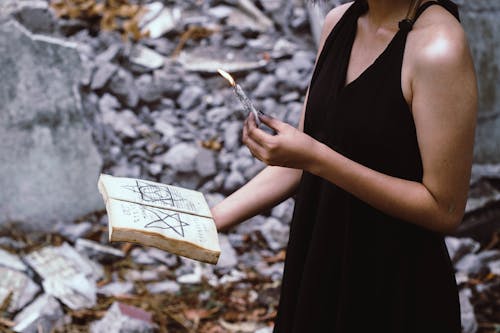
[
  {"x": 167, "y": 116},
  {"x": 40, "y": 316}
]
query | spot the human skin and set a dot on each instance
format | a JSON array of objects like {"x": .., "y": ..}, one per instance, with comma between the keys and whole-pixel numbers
[{"x": 439, "y": 84}]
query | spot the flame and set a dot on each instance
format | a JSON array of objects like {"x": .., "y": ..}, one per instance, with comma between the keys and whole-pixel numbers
[{"x": 227, "y": 76}]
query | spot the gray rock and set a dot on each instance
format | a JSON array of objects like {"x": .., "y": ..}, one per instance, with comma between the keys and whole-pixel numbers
[
  {"x": 23, "y": 289},
  {"x": 468, "y": 318},
  {"x": 146, "y": 57},
  {"x": 190, "y": 96},
  {"x": 169, "y": 83},
  {"x": 275, "y": 233},
  {"x": 494, "y": 267},
  {"x": 110, "y": 54},
  {"x": 267, "y": 87},
  {"x": 123, "y": 318},
  {"x": 168, "y": 130},
  {"x": 141, "y": 256},
  {"x": 182, "y": 157},
  {"x": 74, "y": 231},
  {"x": 458, "y": 247},
  {"x": 97, "y": 251},
  {"x": 116, "y": 288},
  {"x": 233, "y": 181},
  {"x": 102, "y": 75},
  {"x": 10, "y": 260},
  {"x": 45, "y": 146},
  {"x": 228, "y": 256},
  {"x": 123, "y": 122},
  {"x": 165, "y": 21},
  {"x": 39, "y": 316},
  {"x": 36, "y": 17},
  {"x": 149, "y": 92},
  {"x": 284, "y": 211},
  {"x": 11, "y": 243},
  {"x": 470, "y": 264},
  {"x": 122, "y": 86},
  {"x": 232, "y": 135},
  {"x": 218, "y": 114},
  {"x": 67, "y": 275},
  {"x": 163, "y": 257},
  {"x": 213, "y": 198},
  {"x": 169, "y": 287},
  {"x": 480, "y": 20},
  {"x": 205, "y": 163},
  {"x": 275, "y": 271},
  {"x": 146, "y": 275}
]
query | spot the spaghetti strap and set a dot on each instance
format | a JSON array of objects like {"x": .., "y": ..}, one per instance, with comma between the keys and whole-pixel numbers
[{"x": 407, "y": 24}]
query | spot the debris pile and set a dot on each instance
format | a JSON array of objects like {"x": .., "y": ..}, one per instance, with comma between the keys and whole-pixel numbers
[{"x": 159, "y": 110}]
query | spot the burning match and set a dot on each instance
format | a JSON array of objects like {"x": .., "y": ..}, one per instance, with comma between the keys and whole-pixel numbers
[{"x": 247, "y": 104}]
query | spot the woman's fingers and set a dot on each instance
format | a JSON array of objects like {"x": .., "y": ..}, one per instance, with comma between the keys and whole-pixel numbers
[{"x": 258, "y": 135}]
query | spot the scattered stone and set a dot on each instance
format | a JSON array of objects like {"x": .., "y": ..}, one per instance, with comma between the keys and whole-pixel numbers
[
  {"x": 468, "y": 318},
  {"x": 67, "y": 275},
  {"x": 74, "y": 231},
  {"x": 233, "y": 181},
  {"x": 170, "y": 287},
  {"x": 149, "y": 92},
  {"x": 46, "y": 138},
  {"x": 228, "y": 257},
  {"x": 122, "y": 86},
  {"x": 40, "y": 316},
  {"x": 163, "y": 257},
  {"x": 284, "y": 211},
  {"x": 116, "y": 288},
  {"x": 123, "y": 318},
  {"x": 21, "y": 288},
  {"x": 10, "y": 260},
  {"x": 96, "y": 251},
  {"x": 275, "y": 233},
  {"x": 182, "y": 157},
  {"x": 190, "y": 96},
  {"x": 458, "y": 247},
  {"x": 165, "y": 21},
  {"x": 141, "y": 256},
  {"x": 205, "y": 163},
  {"x": 146, "y": 57},
  {"x": 102, "y": 75},
  {"x": 469, "y": 264},
  {"x": 195, "y": 63}
]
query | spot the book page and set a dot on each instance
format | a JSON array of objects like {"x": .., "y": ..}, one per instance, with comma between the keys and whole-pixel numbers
[
  {"x": 198, "y": 230},
  {"x": 155, "y": 194}
]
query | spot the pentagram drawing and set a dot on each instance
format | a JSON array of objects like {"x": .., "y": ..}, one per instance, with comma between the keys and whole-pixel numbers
[
  {"x": 155, "y": 193},
  {"x": 166, "y": 220}
]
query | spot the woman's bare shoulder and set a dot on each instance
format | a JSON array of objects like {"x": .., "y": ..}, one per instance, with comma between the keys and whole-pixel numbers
[{"x": 438, "y": 39}]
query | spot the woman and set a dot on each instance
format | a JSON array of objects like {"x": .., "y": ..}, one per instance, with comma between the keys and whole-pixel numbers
[{"x": 380, "y": 164}]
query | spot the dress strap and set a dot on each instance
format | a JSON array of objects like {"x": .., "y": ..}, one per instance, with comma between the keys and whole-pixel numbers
[{"x": 407, "y": 23}]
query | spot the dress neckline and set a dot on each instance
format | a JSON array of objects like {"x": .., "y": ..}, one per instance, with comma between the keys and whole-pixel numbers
[{"x": 346, "y": 85}]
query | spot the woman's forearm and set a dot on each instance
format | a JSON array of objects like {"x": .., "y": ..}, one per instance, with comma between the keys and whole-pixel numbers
[
  {"x": 271, "y": 186},
  {"x": 404, "y": 199}
]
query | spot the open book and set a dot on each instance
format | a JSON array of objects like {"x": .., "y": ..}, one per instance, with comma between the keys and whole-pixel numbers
[{"x": 171, "y": 218}]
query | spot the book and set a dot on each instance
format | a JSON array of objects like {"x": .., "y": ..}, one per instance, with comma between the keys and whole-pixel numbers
[{"x": 171, "y": 218}]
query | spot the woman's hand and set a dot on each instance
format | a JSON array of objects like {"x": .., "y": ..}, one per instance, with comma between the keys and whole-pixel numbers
[{"x": 289, "y": 147}]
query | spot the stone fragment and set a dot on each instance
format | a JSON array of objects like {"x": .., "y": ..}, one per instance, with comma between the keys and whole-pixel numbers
[
  {"x": 67, "y": 275},
  {"x": 122, "y": 86},
  {"x": 10, "y": 260},
  {"x": 458, "y": 247},
  {"x": 189, "y": 97},
  {"x": 116, "y": 288},
  {"x": 233, "y": 181},
  {"x": 228, "y": 257},
  {"x": 123, "y": 318},
  {"x": 148, "y": 90},
  {"x": 267, "y": 87},
  {"x": 163, "y": 257},
  {"x": 141, "y": 256},
  {"x": 74, "y": 231},
  {"x": 182, "y": 157},
  {"x": 39, "y": 316},
  {"x": 165, "y": 21},
  {"x": 470, "y": 264},
  {"x": 284, "y": 211},
  {"x": 36, "y": 17},
  {"x": 99, "y": 252},
  {"x": 146, "y": 57},
  {"x": 275, "y": 233},
  {"x": 19, "y": 286},
  {"x": 102, "y": 75},
  {"x": 468, "y": 318},
  {"x": 200, "y": 63},
  {"x": 232, "y": 135},
  {"x": 205, "y": 163},
  {"x": 45, "y": 138},
  {"x": 169, "y": 287}
]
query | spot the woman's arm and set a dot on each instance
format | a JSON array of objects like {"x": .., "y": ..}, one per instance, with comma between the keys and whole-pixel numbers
[
  {"x": 273, "y": 184},
  {"x": 444, "y": 103}
]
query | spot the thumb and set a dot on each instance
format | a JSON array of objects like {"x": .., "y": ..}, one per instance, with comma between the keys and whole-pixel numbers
[{"x": 273, "y": 123}]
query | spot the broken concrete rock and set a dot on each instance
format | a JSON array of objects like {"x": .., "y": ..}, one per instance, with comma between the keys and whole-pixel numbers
[
  {"x": 19, "y": 286},
  {"x": 123, "y": 318},
  {"x": 46, "y": 148},
  {"x": 39, "y": 316}
]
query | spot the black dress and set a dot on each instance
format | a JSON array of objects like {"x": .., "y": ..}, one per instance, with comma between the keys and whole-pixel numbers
[{"x": 349, "y": 267}]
